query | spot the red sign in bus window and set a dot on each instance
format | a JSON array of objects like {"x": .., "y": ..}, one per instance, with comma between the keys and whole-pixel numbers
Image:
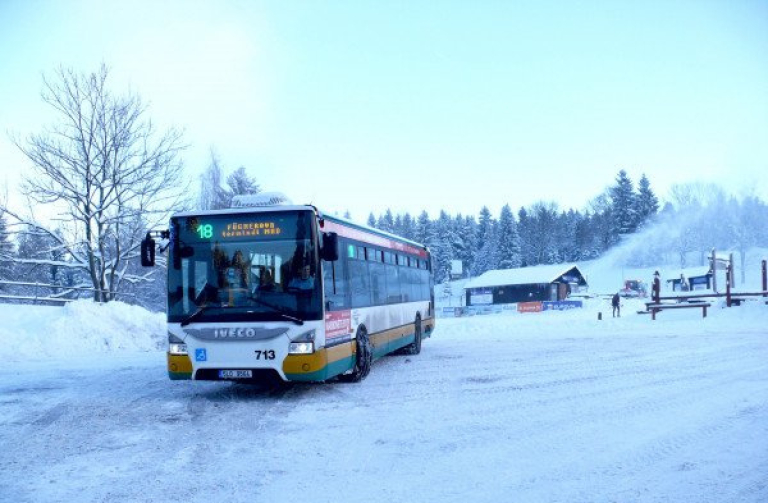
[{"x": 337, "y": 324}]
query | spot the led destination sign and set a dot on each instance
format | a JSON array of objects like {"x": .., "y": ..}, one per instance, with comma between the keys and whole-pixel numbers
[
  {"x": 250, "y": 229},
  {"x": 225, "y": 228}
]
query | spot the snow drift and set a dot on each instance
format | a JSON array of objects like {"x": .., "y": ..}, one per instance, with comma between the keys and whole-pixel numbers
[{"x": 80, "y": 328}]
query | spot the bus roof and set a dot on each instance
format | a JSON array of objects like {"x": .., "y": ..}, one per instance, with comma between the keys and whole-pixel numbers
[
  {"x": 243, "y": 210},
  {"x": 362, "y": 227}
]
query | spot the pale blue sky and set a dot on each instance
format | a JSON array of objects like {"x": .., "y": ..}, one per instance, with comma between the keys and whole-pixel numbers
[{"x": 409, "y": 105}]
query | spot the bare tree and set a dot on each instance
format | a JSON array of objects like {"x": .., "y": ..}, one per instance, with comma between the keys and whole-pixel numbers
[{"x": 105, "y": 172}]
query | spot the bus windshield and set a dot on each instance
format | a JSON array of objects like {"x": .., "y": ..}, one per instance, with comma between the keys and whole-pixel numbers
[{"x": 244, "y": 267}]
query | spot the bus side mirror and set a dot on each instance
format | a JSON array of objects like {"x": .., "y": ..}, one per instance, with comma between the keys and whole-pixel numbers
[
  {"x": 330, "y": 249},
  {"x": 148, "y": 251}
]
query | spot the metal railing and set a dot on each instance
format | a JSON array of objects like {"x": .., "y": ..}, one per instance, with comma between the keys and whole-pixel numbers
[{"x": 48, "y": 297}]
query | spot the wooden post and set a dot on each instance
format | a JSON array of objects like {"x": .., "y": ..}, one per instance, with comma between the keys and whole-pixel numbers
[
  {"x": 765, "y": 280},
  {"x": 704, "y": 308},
  {"x": 656, "y": 290},
  {"x": 728, "y": 285},
  {"x": 732, "y": 273},
  {"x": 714, "y": 270}
]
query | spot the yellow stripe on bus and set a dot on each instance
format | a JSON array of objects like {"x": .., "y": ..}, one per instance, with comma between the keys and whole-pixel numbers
[
  {"x": 179, "y": 366},
  {"x": 305, "y": 364}
]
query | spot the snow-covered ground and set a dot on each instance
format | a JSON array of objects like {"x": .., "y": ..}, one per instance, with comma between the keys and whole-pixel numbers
[{"x": 546, "y": 407}]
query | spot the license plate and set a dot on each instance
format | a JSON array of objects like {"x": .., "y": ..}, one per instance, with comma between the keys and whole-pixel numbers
[{"x": 235, "y": 374}]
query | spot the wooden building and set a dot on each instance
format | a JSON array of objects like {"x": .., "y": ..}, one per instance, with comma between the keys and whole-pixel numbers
[{"x": 525, "y": 284}]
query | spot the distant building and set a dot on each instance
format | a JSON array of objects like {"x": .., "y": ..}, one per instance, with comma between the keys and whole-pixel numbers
[{"x": 526, "y": 284}]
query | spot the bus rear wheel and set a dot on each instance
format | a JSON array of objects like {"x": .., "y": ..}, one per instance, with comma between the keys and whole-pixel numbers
[
  {"x": 363, "y": 358},
  {"x": 414, "y": 348}
]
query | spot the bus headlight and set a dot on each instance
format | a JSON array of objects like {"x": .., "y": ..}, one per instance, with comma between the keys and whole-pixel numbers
[
  {"x": 301, "y": 348},
  {"x": 176, "y": 346},
  {"x": 177, "y": 349},
  {"x": 303, "y": 344}
]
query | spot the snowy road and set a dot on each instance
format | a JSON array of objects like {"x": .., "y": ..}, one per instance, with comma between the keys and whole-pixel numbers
[{"x": 552, "y": 407}]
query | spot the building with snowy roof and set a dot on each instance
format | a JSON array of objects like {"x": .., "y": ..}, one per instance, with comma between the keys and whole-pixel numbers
[{"x": 526, "y": 284}]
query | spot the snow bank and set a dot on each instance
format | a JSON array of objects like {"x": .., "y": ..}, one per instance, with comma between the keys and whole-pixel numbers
[
  {"x": 80, "y": 328},
  {"x": 751, "y": 317}
]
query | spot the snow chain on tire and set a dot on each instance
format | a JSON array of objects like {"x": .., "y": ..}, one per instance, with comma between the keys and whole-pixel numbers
[
  {"x": 363, "y": 358},
  {"x": 414, "y": 348}
]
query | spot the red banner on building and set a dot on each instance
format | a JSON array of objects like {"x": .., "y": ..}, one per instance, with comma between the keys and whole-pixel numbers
[{"x": 529, "y": 307}]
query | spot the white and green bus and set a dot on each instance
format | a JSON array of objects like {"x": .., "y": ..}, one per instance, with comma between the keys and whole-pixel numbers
[{"x": 272, "y": 290}]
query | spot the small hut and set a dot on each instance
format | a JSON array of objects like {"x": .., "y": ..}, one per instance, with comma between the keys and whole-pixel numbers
[{"x": 525, "y": 284}]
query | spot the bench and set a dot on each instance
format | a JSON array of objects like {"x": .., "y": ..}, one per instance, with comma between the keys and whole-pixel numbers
[{"x": 656, "y": 307}]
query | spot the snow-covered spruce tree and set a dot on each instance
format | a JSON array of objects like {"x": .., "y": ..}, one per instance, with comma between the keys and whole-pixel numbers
[
  {"x": 240, "y": 184},
  {"x": 485, "y": 253},
  {"x": 469, "y": 235},
  {"x": 584, "y": 238},
  {"x": 484, "y": 226},
  {"x": 567, "y": 229},
  {"x": 371, "y": 222},
  {"x": 441, "y": 243},
  {"x": 409, "y": 226},
  {"x": 398, "y": 225},
  {"x": 525, "y": 231},
  {"x": 487, "y": 258},
  {"x": 423, "y": 228},
  {"x": 509, "y": 240},
  {"x": 387, "y": 222},
  {"x": 623, "y": 206},
  {"x": 647, "y": 204},
  {"x": 601, "y": 224},
  {"x": 459, "y": 245},
  {"x": 540, "y": 233},
  {"x": 106, "y": 171}
]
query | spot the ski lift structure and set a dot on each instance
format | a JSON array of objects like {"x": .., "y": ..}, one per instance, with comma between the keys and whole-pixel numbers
[
  {"x": 723, "y": 263},
  {"x": 659, "y": 303}
]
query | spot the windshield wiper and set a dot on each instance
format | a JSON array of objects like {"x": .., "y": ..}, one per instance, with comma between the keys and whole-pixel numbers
[
  {"x": 276, "y": 309},
  {"x": 279, "y": 310},
  {"x": 189, "y": 319}
]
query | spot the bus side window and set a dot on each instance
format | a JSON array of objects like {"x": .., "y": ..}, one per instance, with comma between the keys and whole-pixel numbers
[
  {"x": 378, "y": 273},
  {"x": 359, "y": 283},
  {"x": 335, "y": 284},
  {"x": 424, "y": 282},
  {"x": 393, "y": 285}
]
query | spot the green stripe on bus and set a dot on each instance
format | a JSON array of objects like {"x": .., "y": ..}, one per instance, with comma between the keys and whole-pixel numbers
[
  {"x": 179, "y": 376},
  {"x": 392, "y": 346}
]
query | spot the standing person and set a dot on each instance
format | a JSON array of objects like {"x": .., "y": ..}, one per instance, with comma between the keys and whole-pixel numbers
[{"x": 616, "y": 304}]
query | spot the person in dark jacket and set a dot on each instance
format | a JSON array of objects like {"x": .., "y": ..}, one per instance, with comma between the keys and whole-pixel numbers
[{"x": 616, "y": 304}]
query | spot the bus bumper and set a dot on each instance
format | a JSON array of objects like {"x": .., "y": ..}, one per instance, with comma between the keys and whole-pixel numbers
[
  {"x": 179, "y": 367},
  {"x": 321, "y": 365}
]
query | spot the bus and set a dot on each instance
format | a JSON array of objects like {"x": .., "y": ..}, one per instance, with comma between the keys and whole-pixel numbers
[{"x": 270, "y": 290}]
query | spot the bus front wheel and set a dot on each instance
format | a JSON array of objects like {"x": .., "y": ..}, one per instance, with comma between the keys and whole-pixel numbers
[{"x": 363, "y": 358}]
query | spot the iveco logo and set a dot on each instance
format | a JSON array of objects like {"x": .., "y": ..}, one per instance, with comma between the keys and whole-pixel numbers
[
  {"x": 234, "y": 333},
  {"x": 237, "y": 333}
]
